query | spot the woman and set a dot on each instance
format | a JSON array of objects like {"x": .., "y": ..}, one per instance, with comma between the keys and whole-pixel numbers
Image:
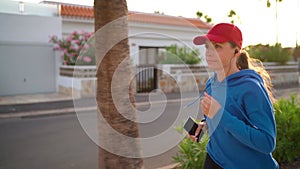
[{"x": 237, "y": 104}]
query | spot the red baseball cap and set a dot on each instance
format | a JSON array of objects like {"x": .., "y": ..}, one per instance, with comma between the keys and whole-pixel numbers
[{"x": 222, "y": 32}]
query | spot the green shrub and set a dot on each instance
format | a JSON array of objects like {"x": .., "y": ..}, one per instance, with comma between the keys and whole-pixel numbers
[
  {"x": 267, "y": 53},
  {"x": 296, "y": 53},
  {"x": 179, "y": 55},
  {"x": 287, "y": 115},
  {"x": 191, "y": 154}
]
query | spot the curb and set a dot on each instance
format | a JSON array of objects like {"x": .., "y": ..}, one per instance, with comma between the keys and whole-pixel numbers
[
  {"x": 69, "y": 110},
  {"x": 45, "y": 112},
  {"x": 82, "y": 109}
]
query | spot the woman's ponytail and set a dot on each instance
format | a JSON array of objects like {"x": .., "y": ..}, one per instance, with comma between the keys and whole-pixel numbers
[{"x": 245, "y": 62}]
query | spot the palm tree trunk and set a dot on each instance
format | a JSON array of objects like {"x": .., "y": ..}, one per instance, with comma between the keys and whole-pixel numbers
[{"x": 117, "y": 147}]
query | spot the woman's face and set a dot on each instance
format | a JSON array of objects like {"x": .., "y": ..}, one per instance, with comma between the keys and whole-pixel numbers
[{"x": 219, "y": 55}]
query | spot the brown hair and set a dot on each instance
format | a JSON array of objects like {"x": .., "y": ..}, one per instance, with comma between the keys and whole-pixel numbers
[{"x": 245, "y": 62}]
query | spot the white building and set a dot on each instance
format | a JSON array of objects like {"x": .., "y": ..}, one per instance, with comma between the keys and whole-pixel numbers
[
  {"x": 28, "y": 63},
  {"x": 146, "y": 31}
]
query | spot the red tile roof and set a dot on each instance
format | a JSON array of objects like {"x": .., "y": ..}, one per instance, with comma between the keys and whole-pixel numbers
[
  {"x": 88, "y": 12},
  {"x": 167, "y": 20},
  {"x": 77, "y": 11}
]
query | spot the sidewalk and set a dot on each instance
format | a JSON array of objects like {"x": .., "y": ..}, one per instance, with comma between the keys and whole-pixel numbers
[
  {"x": 286, "y": 92},
  {"x": 56, "y": 103}
]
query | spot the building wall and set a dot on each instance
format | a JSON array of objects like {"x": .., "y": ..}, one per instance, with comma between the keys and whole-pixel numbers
[
  {"x": 143, "y": 34},
  {"x": 29, "y": 65},
  {"x": 28, "y": 62},
  {"x": 69, "y": 25},
  {"x": 153, "y": 35},
  {"x": 28, "y": 28}
]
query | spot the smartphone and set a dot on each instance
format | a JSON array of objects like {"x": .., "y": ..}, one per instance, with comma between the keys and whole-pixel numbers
[{"x": 191, "y": 126}]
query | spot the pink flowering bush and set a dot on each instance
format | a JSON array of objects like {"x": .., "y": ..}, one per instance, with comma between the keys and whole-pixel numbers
[{"x": 77, "y": 48}]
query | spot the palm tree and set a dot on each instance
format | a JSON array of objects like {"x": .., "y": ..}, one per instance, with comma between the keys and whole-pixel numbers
[
  {"x": 276, "y": 15},
  {"x": 200, "y": 14},
  {"x": 234, "y": 17},
  {"x": 114, "y": 151}
]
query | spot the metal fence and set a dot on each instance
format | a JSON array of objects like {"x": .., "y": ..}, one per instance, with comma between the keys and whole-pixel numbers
[{"x": 146, "y": 78}]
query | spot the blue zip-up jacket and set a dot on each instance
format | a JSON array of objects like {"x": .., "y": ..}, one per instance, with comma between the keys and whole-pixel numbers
[{"x": 243, "y": 132}]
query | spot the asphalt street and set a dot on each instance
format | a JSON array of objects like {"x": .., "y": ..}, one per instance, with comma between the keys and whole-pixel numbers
[{"x": 65, "y": 141}]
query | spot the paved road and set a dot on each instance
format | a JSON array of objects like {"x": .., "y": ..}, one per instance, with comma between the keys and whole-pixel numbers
[
  {"x": 59, "y": 142},
  {"x": 45, "y": 142}
]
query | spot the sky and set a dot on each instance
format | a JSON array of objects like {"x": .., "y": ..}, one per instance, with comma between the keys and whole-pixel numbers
[{"x": 257, "y": 22}]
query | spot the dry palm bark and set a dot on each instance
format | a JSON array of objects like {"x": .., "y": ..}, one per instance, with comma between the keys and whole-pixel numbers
[{"x": 113, "y": 64}]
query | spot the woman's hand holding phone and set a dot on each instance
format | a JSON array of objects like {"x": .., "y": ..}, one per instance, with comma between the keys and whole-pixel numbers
[{"x": 199, "y": 132}]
